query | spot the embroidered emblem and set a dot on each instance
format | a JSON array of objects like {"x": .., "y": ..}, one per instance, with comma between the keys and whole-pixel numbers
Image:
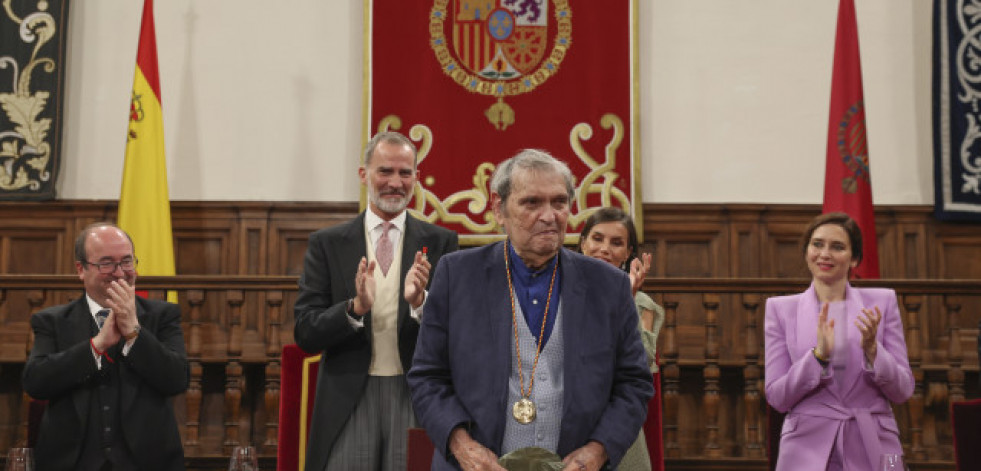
[
  {"x": 853, "y": 148},
  {"x": 500, "y": 48},
  {"x": 135, "y": 113}
]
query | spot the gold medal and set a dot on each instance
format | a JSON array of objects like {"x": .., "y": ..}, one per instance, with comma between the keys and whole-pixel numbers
[{"x": 524, "y": 411}]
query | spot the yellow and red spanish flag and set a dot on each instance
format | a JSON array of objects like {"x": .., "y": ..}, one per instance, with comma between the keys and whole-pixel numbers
[
  {"x": 847, "y": 179},
  {"x": 144, "y": 203}
]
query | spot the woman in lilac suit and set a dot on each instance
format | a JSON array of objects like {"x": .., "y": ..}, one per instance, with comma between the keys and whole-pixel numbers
[{"x": 835, "y": 359}]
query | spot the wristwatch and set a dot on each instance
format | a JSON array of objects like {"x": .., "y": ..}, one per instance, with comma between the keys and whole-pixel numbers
[
  {"x": 823, "y": 361},
  {"x": 132, "y": 335}
]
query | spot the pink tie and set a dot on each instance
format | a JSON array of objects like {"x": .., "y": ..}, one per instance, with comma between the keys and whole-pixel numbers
[{"x": 383, "y": 249}]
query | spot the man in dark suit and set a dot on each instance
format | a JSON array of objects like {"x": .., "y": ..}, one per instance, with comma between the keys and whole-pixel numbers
[
  {"x": 107, "y": 364},
  {"x": 360, "y": 301},
  {"x": 527, "y": 344}
]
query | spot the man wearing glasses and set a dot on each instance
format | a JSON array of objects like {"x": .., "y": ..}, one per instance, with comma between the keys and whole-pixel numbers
[{"x": 107, "y": 364}]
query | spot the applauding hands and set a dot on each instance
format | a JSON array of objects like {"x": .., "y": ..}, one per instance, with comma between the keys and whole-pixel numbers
[{"x": 867, "y": 324}]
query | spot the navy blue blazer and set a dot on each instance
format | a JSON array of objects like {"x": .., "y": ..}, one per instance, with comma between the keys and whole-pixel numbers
[{"x": 461, "y": 367}]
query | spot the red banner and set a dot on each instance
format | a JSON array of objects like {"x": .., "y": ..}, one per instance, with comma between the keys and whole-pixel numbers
[
  {"x": 847, "y": 181},
  {"x": 474, "y": 82}
]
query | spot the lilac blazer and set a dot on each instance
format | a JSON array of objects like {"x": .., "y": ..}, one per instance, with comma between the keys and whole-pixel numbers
[{"x": 851, "y": 414}]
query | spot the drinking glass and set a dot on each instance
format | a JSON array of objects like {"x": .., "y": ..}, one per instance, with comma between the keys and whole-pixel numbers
[
  {"x": 20, "y": 459},
  {"x": 891, "y": 462},
  {"x": 243, "y": 459}
]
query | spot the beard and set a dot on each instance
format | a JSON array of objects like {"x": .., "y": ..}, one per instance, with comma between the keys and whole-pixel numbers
[{"x": 387, "y": 205}]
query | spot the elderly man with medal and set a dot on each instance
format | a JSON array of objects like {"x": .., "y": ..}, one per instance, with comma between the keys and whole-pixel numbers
[{"x": 527, "y": 346}]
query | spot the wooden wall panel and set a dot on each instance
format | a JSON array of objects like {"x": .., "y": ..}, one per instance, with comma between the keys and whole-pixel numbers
[
  {"x": 35, "y": 245},
  {"x": 292, "y": 248},
  {"x": 289, "y": 246},
  {"x": 211, "y": 249},
  {"x": 912, "y": 250},
  {"x": 691, "y": 250},
  {"x": 255, "y": 238},
  {"x": 744, "y": 244},
  {"x": 40, "y": 254},
  {"x": 782, "y": 246},
  {"x": 960, "y": 257},
  {"x": 915, "y": 226},
  {"x": 253, "y": 241},
  {"x": 702, "y": 242},
  {"x": 290, "y": 230}
]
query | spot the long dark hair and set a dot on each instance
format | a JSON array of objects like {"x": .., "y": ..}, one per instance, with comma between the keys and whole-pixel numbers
[{"x": 612, "y": 215}]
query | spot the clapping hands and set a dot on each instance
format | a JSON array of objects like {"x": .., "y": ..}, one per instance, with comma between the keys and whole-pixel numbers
[
  {"x": 869, "y": 326},
  {"x": 638, "y": 271}
]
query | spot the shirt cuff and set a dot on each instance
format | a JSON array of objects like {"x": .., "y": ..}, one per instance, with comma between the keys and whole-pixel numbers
[
  {"x": 416, "y": 312},
  {"x": 356, "y": 322},
  {"x": 129, "y": 345}
]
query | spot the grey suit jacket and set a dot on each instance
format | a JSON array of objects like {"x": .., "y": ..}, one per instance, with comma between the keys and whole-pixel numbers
[
  {"x": 460, "y": 372},
  {"x": 327, "y": 283}
]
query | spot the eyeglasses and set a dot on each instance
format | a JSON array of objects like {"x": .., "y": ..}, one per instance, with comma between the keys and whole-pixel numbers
[{"x": 110, "y": 267}]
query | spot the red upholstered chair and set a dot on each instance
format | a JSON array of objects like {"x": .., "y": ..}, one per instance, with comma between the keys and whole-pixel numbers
[
  {"x": 965, "y": 417},
  {"x": 297, "y": 389},
  {"x": 419, "y": 451},
  {"x": 653, "y": 430},
  {"x": 35, "y": 411}
]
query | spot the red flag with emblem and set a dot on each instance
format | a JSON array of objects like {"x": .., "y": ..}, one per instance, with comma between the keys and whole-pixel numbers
[{"x": 847, "y": 180}]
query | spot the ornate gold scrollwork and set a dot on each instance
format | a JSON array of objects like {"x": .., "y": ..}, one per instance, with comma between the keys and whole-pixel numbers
[
  {"x": 605, "y": 172},
  {"x": 26, "y": 145},
  {"x": 600, "y": 180}
]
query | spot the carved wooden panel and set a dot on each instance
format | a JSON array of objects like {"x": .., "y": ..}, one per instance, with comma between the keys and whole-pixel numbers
[
  {"x": 205, "y": 250},
  {"x": 288, "y": 238},
  {"x": 783, "y": 248},
  {"x": 959, "y": 255},
  {"x": 716, "y": 340},
  {"x": 745, "y": 241}
]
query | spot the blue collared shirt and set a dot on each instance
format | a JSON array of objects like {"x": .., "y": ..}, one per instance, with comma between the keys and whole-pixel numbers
[{"x": 531, "y": 291}]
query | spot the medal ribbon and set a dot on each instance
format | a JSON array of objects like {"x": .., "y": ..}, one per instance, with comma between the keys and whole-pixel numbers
[{"x": 514, "y": 322}]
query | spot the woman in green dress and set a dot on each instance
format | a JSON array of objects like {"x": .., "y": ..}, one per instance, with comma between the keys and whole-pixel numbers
[{"x": 609, "y": 234}]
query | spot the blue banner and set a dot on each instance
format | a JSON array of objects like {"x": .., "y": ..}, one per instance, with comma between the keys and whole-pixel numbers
[
  {"x": 957, "y": 109},
  {"x": 33, "y": 45}
]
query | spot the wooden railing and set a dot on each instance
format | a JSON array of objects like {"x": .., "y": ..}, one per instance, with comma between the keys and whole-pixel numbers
[{"x": 710, "y": 347}]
